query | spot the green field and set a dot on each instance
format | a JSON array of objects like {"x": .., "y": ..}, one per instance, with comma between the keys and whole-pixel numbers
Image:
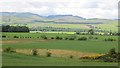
[
  {"x": 25, "y": 60},
  {"x": 98, "y": 46}
]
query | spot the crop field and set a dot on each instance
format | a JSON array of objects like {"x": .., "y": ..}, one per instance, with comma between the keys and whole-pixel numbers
[{"x": 61, "y": 49}]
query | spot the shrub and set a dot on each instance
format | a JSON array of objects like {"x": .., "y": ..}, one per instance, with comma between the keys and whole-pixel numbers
[
  {"x": 59, "y": 38},
  {"x": 82, "y": 38},
  {"x": 90, "y": 37},
  {"x": 96, "y": 38},
  {"x": 118, "y": 56},
  {"x": 15, "y": 37},
  {"x": 78, "y": 33},
  {"x": 66, "y": 38},
  {"x": 112, "y": 51},
  {"x": 3, "y": 36},
  {"x": 9, "y": 49},
  {"x": 49, "y": 54},
  {"x": 112, "y": 56},
  {"x": 83, "y": 34},
  {"x": 71, "y": 56},
  {"x": 52, "y": 37},
  {"x": 34, "y": 52},
  {"x": 71, "y": 38},
  {"x": 110, "y": 39},
  {"x": 44, "y": 37}
]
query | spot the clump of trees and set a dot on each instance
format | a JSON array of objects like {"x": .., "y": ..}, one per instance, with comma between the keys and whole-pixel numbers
[{"x": 9, "y": 28}]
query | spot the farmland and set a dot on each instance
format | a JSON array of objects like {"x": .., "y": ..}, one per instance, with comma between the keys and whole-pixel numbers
[
  {"x": 61, "y": 40},
  {"x": 25, "y": 60},
  {"x": 58, "y": 48}
]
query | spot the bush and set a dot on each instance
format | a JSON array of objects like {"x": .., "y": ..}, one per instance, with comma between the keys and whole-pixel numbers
[
  {"x": 78, "y": 33},
  {"x": 96, "y": 38},
  {"x": 71, "y": 56},
  {"x": 49, "y": 54},
  {"x": 112, "y": 56},
  {"x": 90, "y": 37},
  {"x": 110, "y": 39},
  {"x": 66, "y": 38},
  {"x": 34, "y": 52},
  {"x": 83, "y": 33},
  {"x": 52, "y": 37},
  {"x": 112, "y": 51},
  {"x": 59, "y": 38},
  {"x": 71, "y": 38},
  {"x": 9, "y": 49},
  {"x": 118, "y": 56},
  {"x": 15, "y": 37},
  {"x": 82, "y": 38},
  {"x": 3, "y": 36},
  {"x": 44, "y": 37}
]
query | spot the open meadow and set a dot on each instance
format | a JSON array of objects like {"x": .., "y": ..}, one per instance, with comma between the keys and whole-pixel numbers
[{"x": 63, "y": 52}]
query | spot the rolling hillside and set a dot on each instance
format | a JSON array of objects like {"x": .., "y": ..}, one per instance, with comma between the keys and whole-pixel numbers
[{"x": 60, "y": 21}]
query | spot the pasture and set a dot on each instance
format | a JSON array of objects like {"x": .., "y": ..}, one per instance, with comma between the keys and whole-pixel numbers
[
  {"x": 61, "y": 49},
  {"x": 27, "y": 60}
]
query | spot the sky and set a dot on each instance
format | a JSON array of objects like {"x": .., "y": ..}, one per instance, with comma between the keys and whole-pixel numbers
[{"x": 107, "y": 9}]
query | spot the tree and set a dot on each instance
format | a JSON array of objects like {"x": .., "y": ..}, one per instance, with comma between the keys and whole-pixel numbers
[
  {"x": 91, "y": 31},
  {"x": 34, "y": 52},
  {"x": 7, "y": 28},
  {"x": 112, "y": 51}
]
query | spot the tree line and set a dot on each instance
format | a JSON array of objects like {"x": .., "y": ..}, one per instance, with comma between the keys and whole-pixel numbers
[{"x": 8, "y": 28}]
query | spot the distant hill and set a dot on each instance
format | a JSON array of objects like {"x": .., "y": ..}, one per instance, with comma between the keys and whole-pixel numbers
[
  {"x": 20, "y": 15},
  {"x": 64, "y": 16},
  {"x": 26, "y": 18}
]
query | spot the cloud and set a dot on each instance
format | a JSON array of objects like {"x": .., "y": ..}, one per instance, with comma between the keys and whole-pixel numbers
[{"x": 84, "y": 8}]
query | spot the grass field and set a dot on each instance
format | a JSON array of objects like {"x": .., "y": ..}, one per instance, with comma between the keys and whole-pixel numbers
[
  {"x": 89, "y": 46},
  {"x": 26, "y": 60}
]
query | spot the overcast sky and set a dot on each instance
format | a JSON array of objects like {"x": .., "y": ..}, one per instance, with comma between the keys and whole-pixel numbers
[{"x": 84, "y": 8}]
